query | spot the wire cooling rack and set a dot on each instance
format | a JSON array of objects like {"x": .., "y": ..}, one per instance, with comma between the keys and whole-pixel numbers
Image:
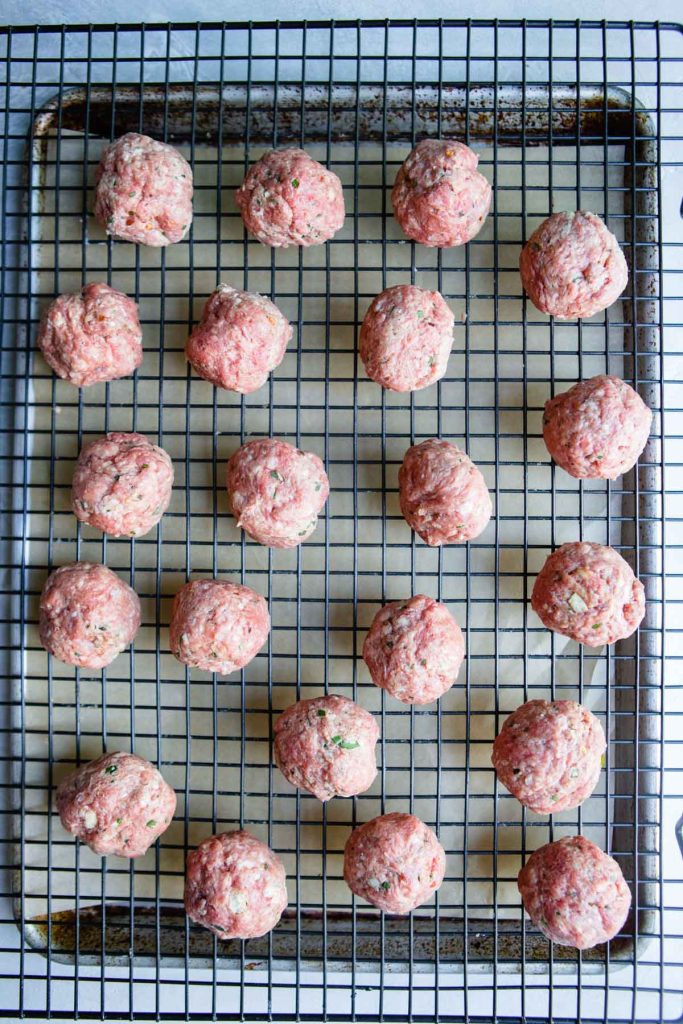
[{"x": 564, "y": 115}]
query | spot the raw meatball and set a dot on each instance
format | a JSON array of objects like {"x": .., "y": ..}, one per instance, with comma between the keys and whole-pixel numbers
[
  {"x": 217, "y": 625},
  {"x": 442, "y": 494},
  {"x": 276, "y": 492},
  {"x": 414, "y": 649},
  {"x": 439, "y": 196},
  {"x": 549, "y": 754},
  {"x": 289, "y": 199},
  {"x": 596, "y": 429},
  {"x": 122, "y": 484},
  {"x": 239, "y": 340},
  {"x": 117, "y": 804},
  {"x": 143, "y": 191},
  {"x": 406, "y": 338},
  {"x": 91, "y": 336},
  {"x": 87, "y": 615},
  {"x": 572, "y": 266},
  {"x": 394, "y": 862},
  {"x": 235, "y": 886},
  {"x": 574, "y": 893},
  {"x": 588, "y": 593},
  {"x": 327, "y": 746}
]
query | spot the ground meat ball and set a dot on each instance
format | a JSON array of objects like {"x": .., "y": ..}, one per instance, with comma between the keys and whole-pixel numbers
[
  {"x": 289, "y": 199},
  {"x": 439, "y": 196},
  {"x": 442, "y": 494},
  {"x": 549, "y": 754},
  {"x": 143, "y": 191},
  {"x": 122, "y": 484},
  {"x": 588, "y": 593},
  {"x": 239, "y": 340},
  {"x": 327, "y": 746},
  {"x": 235, "y": 886},
  {"x": 406, "y": 338},
  {"x": 596, "y": 429},
  {"x": 394, "y": 862},
  {"x": 117, "y": 804},
  {"x": 91, "y": 336},
  {"x": 572, "y": 266},
  {"x": 217, "y": 625},
  {"x": 574, "y": 893},
  {"x": 87, "y": 615},
  {"x": 276, "y": 492},
  {"x": 414, "y": 649}
]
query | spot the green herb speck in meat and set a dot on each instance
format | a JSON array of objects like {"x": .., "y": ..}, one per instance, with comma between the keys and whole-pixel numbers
[
  {"x": 295, "y": 182},
  {"x": 423, "y": 662},
  {"x": 432, "y": 360},
  {"x": 420, "y": 314},
  {"x": 318, "y": 485},
  {"x": 321, "y": 712},
  {"x": 151, "y": 823},
  {"x": 119, "y": 821},
  {"x": 277, "y": 476},
  {"x": 110, "y": 769},
  {"x": 596, "y": 625},
  {"x": 574, "y": 773},
  {"x": 385, "y": 886},
  {"x": 345, "y": 744}
]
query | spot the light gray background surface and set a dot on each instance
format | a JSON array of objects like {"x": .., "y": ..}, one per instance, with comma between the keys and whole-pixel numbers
[{"x": 22, "y": 12}]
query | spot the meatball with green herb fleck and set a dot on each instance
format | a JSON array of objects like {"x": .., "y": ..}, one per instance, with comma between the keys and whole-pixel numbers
[
  {"x": 589, "y": 593},
  {"x": 574, "y": 892},
  {"x": 326, "y": 746},
  {"x": 572, "y": 266},
  {"x": 276, "y": 491},
  {"x": 217, "y": 625},
  {"x": 414, "y": 649},
  {"x": 143, "y": 191},
  {"x": 119, "y": 804},
  {"x": 439, "y": 196},
  {"x": 442, "y": 494},
  {"x": 406, "y": 338},
  {"x": 235, "y": 886},
  {"x": 549, "y": 754},
  {"x": 122, "y": 484},
  {"x": 87, "y": 615},
  {"x": 394, "y": 862},
  {"x": 287, "y": 198}
]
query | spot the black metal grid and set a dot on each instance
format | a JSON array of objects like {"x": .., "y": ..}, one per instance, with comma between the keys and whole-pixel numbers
[{"x": 513, "y": 87}]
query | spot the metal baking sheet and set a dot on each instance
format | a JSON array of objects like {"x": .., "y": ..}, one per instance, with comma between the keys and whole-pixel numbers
[{"x": 211, "y": 737}]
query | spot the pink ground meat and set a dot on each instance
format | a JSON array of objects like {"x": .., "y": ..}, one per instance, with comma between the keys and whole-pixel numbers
[
  {"x": 549, "y": 754},
  {"x": 235, "y": 886},
  {"x": 218, "y": 626},
  {"x": 394, "y": 862},
  {"x": 143, "y": 191},
  {"x": 240, "y": 339},
  {"x": 91, "y": 336},
  {"x": 572, "y": 266},
  {"x": 414, "y": 649},
  {"x": 287, "y": 198},
  {"x": 596, "y": 429},
  {"x": 87, "y": 615},
  {"x": 442, "y": 494},
  {"x": 276, "y": 492},
  {"x": 326, "y": 746},
  {"x": 118, "y": 804},
  {"x": 439, "y": 197},
  {"x": 406, "y": 338},
  {"x": 588, "y": 593},
  {"x": 574, "y": 893},
  {"x": 122, "y": 484}
]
